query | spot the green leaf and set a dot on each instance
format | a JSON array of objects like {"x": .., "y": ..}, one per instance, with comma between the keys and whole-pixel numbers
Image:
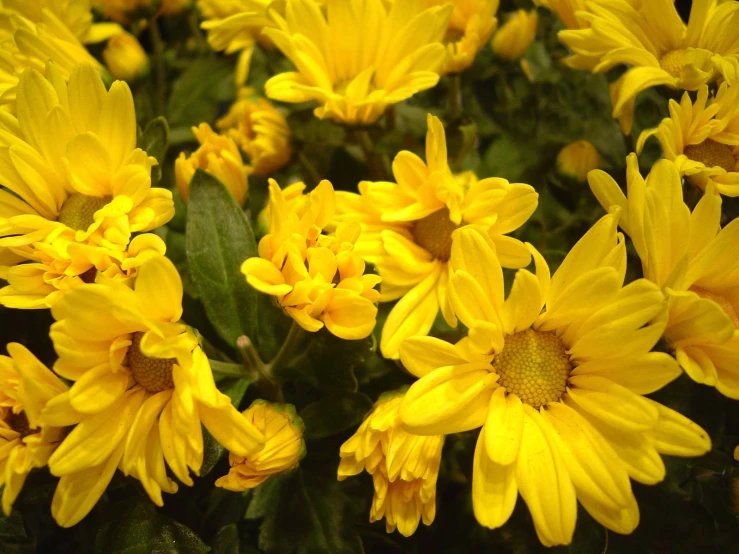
[
  {"x": 334, "y": 414},
  {"x": 226, "y": 540},
  {"x": 135, "y": 527},
  {"x": 304, "y": 513},
  {"x": 12, "y": 526},
  {"x": 328, "y": 362},
  {"x": 155, "y": 141},
  {"x": 219, "y": 239},
  {"x": 198, "y": 92}
]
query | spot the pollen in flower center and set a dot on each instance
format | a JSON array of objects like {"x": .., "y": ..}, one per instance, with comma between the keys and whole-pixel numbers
[
  {"x": 19, "y": 424},
  {"x": 711, "y": 154},
  {"x": 79, "y": 209},
  {"x": 154, "y": 374},
  {"x": 433, "y": 233},
  {"x": 674, "y": 62},
  {"x": 725, "y": 305},
  {"x": 533, "y": 365}
]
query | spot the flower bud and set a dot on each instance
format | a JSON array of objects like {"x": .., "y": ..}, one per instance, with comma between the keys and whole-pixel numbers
[
  {"x": 516, "y": 35},
  {"x": 578, "y": 159},
  {"x": 125, "y": 57}
]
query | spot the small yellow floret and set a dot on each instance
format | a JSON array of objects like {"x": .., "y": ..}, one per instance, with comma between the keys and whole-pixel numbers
[
  {"x": 154, "y": 374},
  {"x": 434, "y": 234},
  {"x": 78, "y": 210},
  {"x": 712, "y": 154}
]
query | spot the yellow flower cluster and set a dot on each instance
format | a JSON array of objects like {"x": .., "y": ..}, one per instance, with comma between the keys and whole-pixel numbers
[
  {"x": 404, "y": 467},
  {"x": 317, "y": 278},
  {"x": 78, "y": 187}
]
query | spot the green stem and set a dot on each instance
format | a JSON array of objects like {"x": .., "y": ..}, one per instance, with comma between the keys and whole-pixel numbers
[
  {"x": 159, "y": 67},
  {"x": 200, "y": 40},
  {"x": 313, "y": 177},
  {"x": 373, "y": 161},
  {"x": 293, "y": 339},
  {"x": 253, "y": 363},
  {"x": 455, "y": 97}
]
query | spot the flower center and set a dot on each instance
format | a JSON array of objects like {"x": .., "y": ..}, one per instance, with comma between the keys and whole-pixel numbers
[
  {"x": 674, "y": 62},
  {"x": 533, "y": 365},
  {"x": 433, "y": 233},
  {"x": 712, "y": 154},
  {"x": 725, "y": 305},
  {"x": 154, "y": 374},
  {"x": 19, "y": 423},
  {"x": 78, "y": 210}
]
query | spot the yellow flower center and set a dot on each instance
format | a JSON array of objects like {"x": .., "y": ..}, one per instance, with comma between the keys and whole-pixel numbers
[
  {"x": 154, "y": 374},
  {"x": 19, "y": 423},
  {"x": 78, "y": 210},
  {"x": 711, "y": 154},
  {"x": 433, "y": 233},
  {"x": 674, "y": 62},
  {"x": 725, "y": 305},
  {"x": 533, "y": 365}
]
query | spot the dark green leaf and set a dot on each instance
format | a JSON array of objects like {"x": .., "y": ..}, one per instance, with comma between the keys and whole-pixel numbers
[
  {"x": 334, "y": 414},
  {"x": 328, "y": 362},
  {"x": 137, "y": 528},
  {"x": 198, "y": 92},
  {"x": 12, "y": 527},
  {"x": 226, "y": 540},
  {"x": 155, "y": 141},
  {"x": 219, "y": 239}
]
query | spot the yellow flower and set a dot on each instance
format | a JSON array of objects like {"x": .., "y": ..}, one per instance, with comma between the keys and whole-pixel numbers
[
  {"x": 404, "y": 467},
  {"x": 516, "y": 35},
  {"x": 52, "y": 269},
  {"x": 358, "y": 58},
  {"x": 26, "y": 385},
  {"x": 555, "y": 374},
  {"x": 659, "y": 48},
  {"x": 33, "y": 33},
  {"x": 142, "y": 388},
  {"x": 470, "y": 27},
  {"x": 283, "y": 447},
  {"x": 573, "y": 13},
  {"x": 316, "y": 278},
  {"x": 125, "y": 57},
  {"x": 690, "y": 257},
  {"x": 260, "y": 130},
  {"x": 576, "y": 160},
  {"x": 407, "y": 231},
  {"x": 702, "y": 138},
  {"x": 122, "y": 10},
  {"x": 217, "y": 155}
]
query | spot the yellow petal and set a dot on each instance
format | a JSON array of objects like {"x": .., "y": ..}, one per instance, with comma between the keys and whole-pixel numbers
[
  {"x": 677, "y": 435},
  {"x": 474, "y": 254},
  {"x": 159, "y": 287},
  {"x": 503, "y": 427},
  {"x": 494, "y": 490},
  {"x": 422, "y": 355}
]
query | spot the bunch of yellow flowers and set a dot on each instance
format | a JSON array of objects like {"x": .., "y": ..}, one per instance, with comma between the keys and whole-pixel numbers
[{"x": 474, "y": 284}]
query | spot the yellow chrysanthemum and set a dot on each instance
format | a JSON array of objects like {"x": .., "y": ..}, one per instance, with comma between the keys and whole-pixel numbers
[
  {"x": 359, "y": 57},
  {"x": 217, "y": 155},
  {"x": 578, "y": 159},
  {"x": 659, "y": 48},
  {"x": 404, "y": 467},
  {"x": 42, "y": 273},
  {"x": 570, "y": 12},
  {"x": 26, "y": 385},
  {"x": 316, "y": 278},
  {"x": 260, "y": 130},
  {"x": 125, "y": 57},
  {"x": 690, "y": 256},
  {"x": 516, "y": 35},
  {"x": 555, "y": 374},
  {"x": 407, "y": 231},
  {"x": 122, "y": 10},
  {"x": 142, "y": 388},
  {"x": 702, "y": 138},
  {"x": 470, "y": 27},
  {"x": 283, "y": 447},
  {"x": 32, "y": 33}
]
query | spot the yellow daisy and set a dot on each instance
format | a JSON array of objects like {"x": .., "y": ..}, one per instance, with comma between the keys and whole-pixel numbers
[
  {"x": 43, "y": 272},
  {"x": 659, "y": 48},
  {"x": 316, "y": 278},
  {"x": 32, "y": 33},
  {"x": 702, "y": 138},
  {"x": 359, "y": 57},
  {"x": 690, "y": 256},
  {"x": 70, "y": 162},
  {"x": 407, "y": 231},
  {"x": 555, "y": 374},
  {"x": 142, "y": 388},
  {"x": 26, "y": 385},
  {"x": 577, "y": 159},
  {"x": 260, "y": 130},
  {"x": 516, "y": 35},
  {"x": 470, "y": 27},
  {"x": 283, "y": 447},
  {"x": 404, "y": 467},
  {"x": 217, "y": 155}
]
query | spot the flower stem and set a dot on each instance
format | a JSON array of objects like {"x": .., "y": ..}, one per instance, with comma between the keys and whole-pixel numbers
[
  {"x": 159, "y": 67},
  {"x": 373, "y": 161},
  {"x": 313, "y": 177},
  {"x": 253, "y": 363},
  {"x": 293, "y": 339},
  {"x": 455, "y": 97}
]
